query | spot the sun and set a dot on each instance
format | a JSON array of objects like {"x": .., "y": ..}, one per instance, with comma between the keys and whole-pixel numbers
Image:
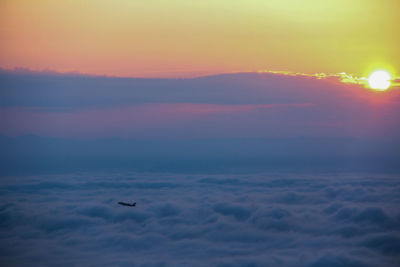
[{"x": 379, "y": 80}]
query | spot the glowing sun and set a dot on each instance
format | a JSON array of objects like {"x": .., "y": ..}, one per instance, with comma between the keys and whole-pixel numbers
[{"x": 379, "y": 80}]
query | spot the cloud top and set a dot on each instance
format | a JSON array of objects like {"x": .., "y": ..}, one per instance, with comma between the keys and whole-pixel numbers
[{"x": 196, "y": 220}]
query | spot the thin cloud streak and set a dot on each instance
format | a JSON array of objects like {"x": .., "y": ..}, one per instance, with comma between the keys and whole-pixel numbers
[
  {"x": 342, "y": 76},
  {"x": 175, "y": 74}
]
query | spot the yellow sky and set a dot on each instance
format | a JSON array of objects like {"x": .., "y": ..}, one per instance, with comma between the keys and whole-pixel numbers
[{"x": 161, "y": 38}]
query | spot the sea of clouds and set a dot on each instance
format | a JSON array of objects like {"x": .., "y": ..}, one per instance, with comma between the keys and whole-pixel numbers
[{"x": 200, "y": 220}]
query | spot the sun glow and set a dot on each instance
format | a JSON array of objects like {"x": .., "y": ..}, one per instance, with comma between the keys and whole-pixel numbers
[{"x": 379, "y": 80}]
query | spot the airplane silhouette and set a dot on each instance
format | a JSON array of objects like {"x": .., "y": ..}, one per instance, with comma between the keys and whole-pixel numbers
[{"x": 127, "y": 204}]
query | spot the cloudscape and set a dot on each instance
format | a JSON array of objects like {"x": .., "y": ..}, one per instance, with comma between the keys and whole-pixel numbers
[{"x": 212, "y": 133}]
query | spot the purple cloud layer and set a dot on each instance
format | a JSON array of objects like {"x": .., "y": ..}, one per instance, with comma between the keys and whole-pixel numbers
[{"x": 226, "y": 106}]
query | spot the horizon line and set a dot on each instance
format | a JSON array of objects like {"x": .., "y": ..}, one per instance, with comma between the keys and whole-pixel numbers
[{"x": 343, "y": 77}]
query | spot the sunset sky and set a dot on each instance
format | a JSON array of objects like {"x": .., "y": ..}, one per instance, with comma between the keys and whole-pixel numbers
[
  {"x": 200, "y": 133},
  {"x": 269, "y": 72},
  {"x": 177, "y": 38}
]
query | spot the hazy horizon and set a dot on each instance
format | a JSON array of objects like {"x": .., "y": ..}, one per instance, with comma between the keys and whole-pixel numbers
[{"x": 244, "y": 122}]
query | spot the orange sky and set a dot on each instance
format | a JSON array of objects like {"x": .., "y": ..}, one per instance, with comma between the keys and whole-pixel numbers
[{"x": 170, "y": 38}]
